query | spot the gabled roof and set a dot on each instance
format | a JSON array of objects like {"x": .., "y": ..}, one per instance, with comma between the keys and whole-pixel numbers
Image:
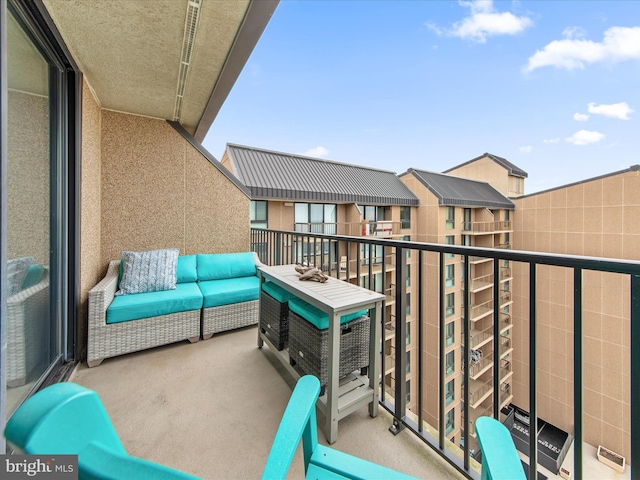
[
  {"x": 461, "y": 192},
  {"x": 511, "y": 168},
  {"x": 284, "y": 176}
]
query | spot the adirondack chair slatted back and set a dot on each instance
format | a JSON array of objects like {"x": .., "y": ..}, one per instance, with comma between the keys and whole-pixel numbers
[{"x": 500, "y": 460}]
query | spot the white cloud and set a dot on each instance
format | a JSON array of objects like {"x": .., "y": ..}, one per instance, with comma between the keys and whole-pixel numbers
[
  {"x": 615, "y": 110},
  {"x": 526, "y": 149},
  {"x": 618, "y": 44},
  {"x": 317, "y": 152},
  {"x": 580, "y": 117},
  {"x": 585, "y": 137},
  {"x": 484, "y": 22},
  {"x": 552, "y": 140}
]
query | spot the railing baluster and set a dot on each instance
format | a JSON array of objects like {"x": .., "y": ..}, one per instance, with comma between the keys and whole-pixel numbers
[
  {"x": 420, "y": 341},
  {"x": 401, "y": 341},
  {"x": 441, "y": 353},
  {"x": 634, "y": 371},
  {"x": 465, "y": 353},
  {"x": 533, "y": 411},
  {"x": 577, "y": 372}
]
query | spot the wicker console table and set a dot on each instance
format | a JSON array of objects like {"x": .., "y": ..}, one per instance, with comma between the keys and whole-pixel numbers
[{"x": 336, "y": 298}]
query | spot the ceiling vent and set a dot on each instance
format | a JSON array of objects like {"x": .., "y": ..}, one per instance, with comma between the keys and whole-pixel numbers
[{"x": 188, "y": 41}]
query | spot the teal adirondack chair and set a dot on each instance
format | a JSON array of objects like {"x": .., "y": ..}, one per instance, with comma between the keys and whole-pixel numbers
[
  {"x": 67, "y": 418},
  {"x": 320, "y": 462},
  {"x": 500, "y": 460}
]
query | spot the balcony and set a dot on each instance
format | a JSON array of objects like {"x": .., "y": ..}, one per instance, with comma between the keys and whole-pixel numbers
[
  {"x": 484, "y": 228},
  {"x": 383, "y": 228},
  {"x": 212, "y": 409},
  {"x": 486, "y": 379}
]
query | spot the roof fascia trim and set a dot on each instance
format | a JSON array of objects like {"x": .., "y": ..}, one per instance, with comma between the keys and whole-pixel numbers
[
  {"x": 255, "y": 21},
  {"x": 198, "y": 146}
]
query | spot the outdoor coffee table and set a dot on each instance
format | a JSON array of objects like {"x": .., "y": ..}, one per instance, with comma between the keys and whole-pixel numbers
[{"x": 336, "y": 298}]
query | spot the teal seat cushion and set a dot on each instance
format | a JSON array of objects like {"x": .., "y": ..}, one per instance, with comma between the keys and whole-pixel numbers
[
  {"x": 187, "y": 296},
  {"x": 218, "y": 266},
  {"x": 187, "y": 269},
  {"x": 277, "y": 292},
  {"x": 231, "y": 290},
  {"x": 316, "y": 316}
]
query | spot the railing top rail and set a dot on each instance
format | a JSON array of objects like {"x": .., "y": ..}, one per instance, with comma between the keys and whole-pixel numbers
[{"x": 601, "y": 264}]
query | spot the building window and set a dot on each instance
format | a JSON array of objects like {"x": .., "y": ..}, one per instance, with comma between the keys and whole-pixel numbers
[
  {"x": 408, "y": 369},
  {"x": 449, "y": 421},
  {"x": 449, "y": 240},
  {"x": 507, "y": 215},
  {"x": 449, "y": 333},
  {"x": 450, "y": 308},
  {"x": 408, "y": 306},
  {"x": 408, "y": 393},
  {"x": 376, "y": 250},
  {"x": 450, "y": 362},
  {"x": 259, "y": 214},
  {"x": 449, "y": 275},
  {"x": 450, "y": 218},
  {"x": 405, "y": 217},
  {"x": 408, "y": 279},
  {"x": 408, "y": 330},
  {"x": 315, "y": 218},
  {"x": 507, "y": 238},
  {"x": 448, "y": 392},
  {"x": 466, "y": 219}
]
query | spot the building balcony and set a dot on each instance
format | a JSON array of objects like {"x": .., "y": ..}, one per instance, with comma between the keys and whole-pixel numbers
[
  {"x": 485, "y": 228},
  {"x": 383, "y": 228}
]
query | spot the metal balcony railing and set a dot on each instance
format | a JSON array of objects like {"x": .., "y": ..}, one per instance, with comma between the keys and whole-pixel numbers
[
  {"x": 286, "y": 247},
  {"x": 486, "y": 227}
]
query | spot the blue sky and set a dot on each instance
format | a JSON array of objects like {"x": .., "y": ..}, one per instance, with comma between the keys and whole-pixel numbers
[{"x": 552, "y": 86}]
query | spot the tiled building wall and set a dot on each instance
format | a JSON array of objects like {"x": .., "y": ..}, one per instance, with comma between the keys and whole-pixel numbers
[{"x": 594, "y": 218}]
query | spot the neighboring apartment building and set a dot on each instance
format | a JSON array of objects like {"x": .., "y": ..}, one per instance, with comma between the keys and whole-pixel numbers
[
  {"x": 597, "y": 217},
  {"x": 458, "y": 211},
  {"x": 304, "y": 194},
  {"x": 500, "y": 173}
]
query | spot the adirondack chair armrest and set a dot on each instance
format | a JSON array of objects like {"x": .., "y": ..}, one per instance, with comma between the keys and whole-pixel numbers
[
  {"x": 500, "y": 460},
  {"x": 348, "y": 466},
  {"x": 99, "y": 462},
  {"x": 298, "y": 422}
]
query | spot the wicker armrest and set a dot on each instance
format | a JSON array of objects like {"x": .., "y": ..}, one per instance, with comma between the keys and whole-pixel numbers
[
  {"x": 24, "y": 295},
  {"x": 101, "y": 296}
]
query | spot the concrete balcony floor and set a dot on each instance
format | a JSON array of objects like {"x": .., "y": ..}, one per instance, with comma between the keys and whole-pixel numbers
[{"x": 212, "y": 409}]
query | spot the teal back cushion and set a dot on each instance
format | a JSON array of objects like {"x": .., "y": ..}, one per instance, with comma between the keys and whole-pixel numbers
[
  {"x": 187, "y": 270},
  {"x": 35, "y": 272},
  {"x": 219, "y": 266}
]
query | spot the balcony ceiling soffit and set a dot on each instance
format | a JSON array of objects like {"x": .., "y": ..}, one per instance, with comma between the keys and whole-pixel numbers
[{"x": 130, "y": 51}]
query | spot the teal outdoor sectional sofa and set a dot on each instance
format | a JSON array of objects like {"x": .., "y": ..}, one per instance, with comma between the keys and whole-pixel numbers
[{"x": 208, "y": 293}]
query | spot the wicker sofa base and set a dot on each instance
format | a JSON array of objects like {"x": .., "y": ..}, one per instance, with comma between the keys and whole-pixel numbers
[
  {"x": 113, "y": 339},
  {"x": 229, "y": 317},
  {"x": 309, "y": 346},
  {"x": 274, "y": 320}
]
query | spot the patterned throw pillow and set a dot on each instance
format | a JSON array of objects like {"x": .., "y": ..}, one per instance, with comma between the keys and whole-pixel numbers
[
  {"x": 16, "y": 271},
  {"x": 150, "y": 271}
]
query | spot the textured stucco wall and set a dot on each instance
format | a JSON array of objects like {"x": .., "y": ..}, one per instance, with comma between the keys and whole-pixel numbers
[
  {"x": 159, "y": 192},
  {"x": 91, "y": 268}
]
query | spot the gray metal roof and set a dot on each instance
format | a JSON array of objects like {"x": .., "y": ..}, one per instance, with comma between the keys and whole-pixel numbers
[
  {"x": 277, "y": 175},
  {"x": 513, "y": 170},
  {"x": 456, "y": 191}
]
